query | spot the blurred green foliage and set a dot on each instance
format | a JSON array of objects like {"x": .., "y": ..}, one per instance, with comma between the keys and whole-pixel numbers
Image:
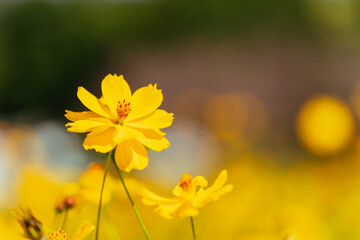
[{"x": 48, "y": 48}]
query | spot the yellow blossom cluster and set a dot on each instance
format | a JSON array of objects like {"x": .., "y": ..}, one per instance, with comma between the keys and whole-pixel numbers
[{"x": 124, "y": 125}]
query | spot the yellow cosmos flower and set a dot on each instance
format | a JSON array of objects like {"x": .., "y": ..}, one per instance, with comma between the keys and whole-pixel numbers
[
  {"x": 190, "y": 195},
  {"x": 90, "y": 185},
  {"x": 84, "y": 230},
  {"x": 121, "y": 120},
  {"x": 325, "y": 125},
  {"x": 87, "y": 189}
]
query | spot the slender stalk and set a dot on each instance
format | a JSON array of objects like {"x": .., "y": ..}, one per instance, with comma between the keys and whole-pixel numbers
[
  {"x": 101, "y": 193},
  {"x": 193, "y": 227},
  {"x": 64, "y": 220},
  {"x": 56, "y": 221},
  {"x": 132, "y": 202}
]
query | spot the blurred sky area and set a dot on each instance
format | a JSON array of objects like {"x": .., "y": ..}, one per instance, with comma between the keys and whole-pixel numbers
[{"x": 278, "y": 80}]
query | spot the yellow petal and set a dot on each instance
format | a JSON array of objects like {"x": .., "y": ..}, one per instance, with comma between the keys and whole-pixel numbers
[
  {"x": 131, "y": 154},
  {"x": 123, "y": 156},
  {"x": 227, "y": 188},
  {"x": 186, "y": 210},
  {"x": 126, "y": 133},
  {"x": 82, "y": 126},
  {"x": 75, "y": 116},
  {"x": 219, "y": 182},
  {"x": 169, "y": 207},
  {"x": 156, "y": 120},
  {"x": 140, "y": 155},
  {"x": 84, "y": 230},
  {"x": 206, "y": 197},
  {"x": 155, "y": 144},
  {"x": 199, "y": 181},
  {"x": 150, "y": 198},
  {"x": 144, "y": 101},
  {"x": 114, "y": 89},
  {"x": 92, "y": 102},
  {"x": 177, "y": 191},
  {"x": 100, "y": 139},
  {"x": 166, "y": 206},
  {"x": 214, "y": 192},
  {"x": 90, "y": 185},
  {"x": 153, "y": 139},
  {"x": 170, "y": 211}
]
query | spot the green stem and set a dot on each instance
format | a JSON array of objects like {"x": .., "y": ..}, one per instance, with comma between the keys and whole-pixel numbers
[
  {"x": 132, "y": 202},
  {"x": 64, "y": 220},
  {"x": 101, "y": 193},
  {"x": 193, "y": 227},
  {"x": 56, "y": 221}
]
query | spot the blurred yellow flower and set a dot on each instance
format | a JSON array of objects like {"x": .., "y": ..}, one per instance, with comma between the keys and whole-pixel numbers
[
  {"x": 32, "y": 228},
  {"x": 90, "y": 185},
  {"x": 190, "y": 195},
  {"x": 87, "y": 189},
  {"x": 9, "y": 227},
  {"x": 121, "y": 120},
  {"x": 240, "y": 120},
  {"x": 39, "y": 192},
  {"x": 84, "y": 230},
  {"x": 68, "y": 191},
  {"x": 325, "y": 125}
]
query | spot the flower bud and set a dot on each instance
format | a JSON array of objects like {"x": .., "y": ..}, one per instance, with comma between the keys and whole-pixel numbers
[
  {"x": 33, "y": 228},
  {"x": 59, "y": 208},
  {"x": 69, "y": 202}
]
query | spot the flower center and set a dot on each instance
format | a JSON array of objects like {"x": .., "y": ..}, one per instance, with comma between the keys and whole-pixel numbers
[
  {"x": 57, "y": 235},
  {"x": 185, "y": 182},
  {"x": 123, "y": 109}
]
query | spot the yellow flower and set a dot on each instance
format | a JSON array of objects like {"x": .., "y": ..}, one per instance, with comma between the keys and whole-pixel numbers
[
  {"x": 90, "y": 185},
  {"x": 325, "y": 125},
  {"x": 87, "y": 189},
  {"x": 32, "y": 228},
  {"x": 121, "y": 120},
  {"x": 84, "y": 230},
  {"x": 190, "y": 195}
]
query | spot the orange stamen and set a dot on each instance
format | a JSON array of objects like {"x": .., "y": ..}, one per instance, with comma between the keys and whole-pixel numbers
[
  {"x": 123, "y": 109},
  {"x": 57, "y": 235},
  {"x": 185, "y": 182}
]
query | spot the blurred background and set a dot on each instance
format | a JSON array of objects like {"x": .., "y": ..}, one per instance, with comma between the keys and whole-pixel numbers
[{"x": 269, "y": 90}]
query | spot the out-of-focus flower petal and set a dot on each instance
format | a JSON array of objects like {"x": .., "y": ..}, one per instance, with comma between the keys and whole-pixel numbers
[
  {"x": 84, "y": 230},
  {"x": 150, "y": 198},
  {"x": 90, "y": 184},
  {"x": 188, "y": 198},
  {"x": 219, "y": 182},
  {"x": 207, "y": 197}
]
